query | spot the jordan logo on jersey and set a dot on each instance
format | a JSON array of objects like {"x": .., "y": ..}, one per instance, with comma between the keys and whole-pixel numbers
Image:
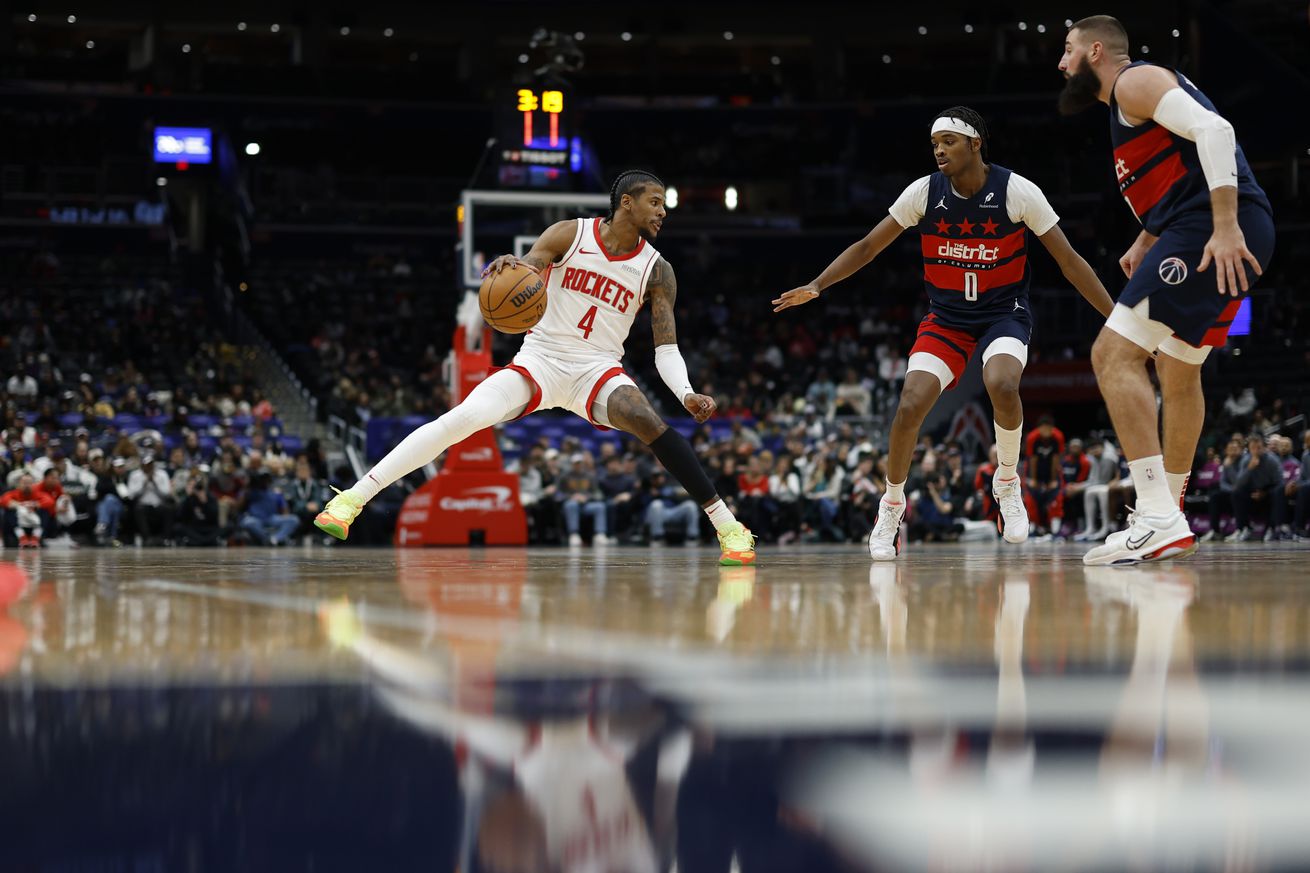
[{"x": 601, "y": 287}]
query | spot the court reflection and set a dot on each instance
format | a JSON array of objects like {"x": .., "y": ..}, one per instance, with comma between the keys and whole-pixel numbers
[
  {"x": 498, "y": 709},
  {"x": 556, "y": 772},
  {"x": 1104, "y": 774}
]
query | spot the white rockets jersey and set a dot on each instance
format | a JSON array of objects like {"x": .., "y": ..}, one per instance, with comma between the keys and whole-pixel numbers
[
  {"x": 592, "y": 298},
  {"x": 580, "y": 789}
]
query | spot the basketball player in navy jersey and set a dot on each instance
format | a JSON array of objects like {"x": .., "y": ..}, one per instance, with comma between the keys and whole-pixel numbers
[
  {"x": 973, "y": 220},
  {"x": 1207, "y": 233}
]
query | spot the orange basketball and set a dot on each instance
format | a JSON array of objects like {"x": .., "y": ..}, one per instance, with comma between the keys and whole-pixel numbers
[{"x": 514, "y": 299}]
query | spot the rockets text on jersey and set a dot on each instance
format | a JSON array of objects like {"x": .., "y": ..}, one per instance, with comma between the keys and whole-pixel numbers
[
  {"x": 599, "y": 286},
  {"x": 592, "y": 298}
]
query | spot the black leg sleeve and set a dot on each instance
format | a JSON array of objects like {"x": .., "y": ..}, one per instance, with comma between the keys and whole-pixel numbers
[{"x": 675, "y": 453}]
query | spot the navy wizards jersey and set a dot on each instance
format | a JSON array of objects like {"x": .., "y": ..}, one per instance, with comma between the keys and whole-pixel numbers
[
  {"x": 1159, "y": 172},
  {"x": 975, "y": 259}
]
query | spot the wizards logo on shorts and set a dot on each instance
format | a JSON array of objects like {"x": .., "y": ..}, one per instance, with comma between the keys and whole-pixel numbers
[{"x": 1173, "y": 271}]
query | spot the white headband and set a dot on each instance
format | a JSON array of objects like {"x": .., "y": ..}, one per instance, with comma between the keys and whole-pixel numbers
[{"x": 954, "y": 125}]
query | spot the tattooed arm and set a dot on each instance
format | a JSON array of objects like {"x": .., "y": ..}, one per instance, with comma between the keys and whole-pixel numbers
[
  {"x": 662, "y": 288},
  {"x": 549, "y": 248}
]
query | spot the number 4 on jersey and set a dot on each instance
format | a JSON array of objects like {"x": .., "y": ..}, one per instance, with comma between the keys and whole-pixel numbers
[{"x": 587, "y": 321}]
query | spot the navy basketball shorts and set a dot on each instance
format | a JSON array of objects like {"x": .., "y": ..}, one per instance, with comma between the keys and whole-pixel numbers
[
  {"x": 944, "y": 345},
  {"x": 1169, "y": 305}
]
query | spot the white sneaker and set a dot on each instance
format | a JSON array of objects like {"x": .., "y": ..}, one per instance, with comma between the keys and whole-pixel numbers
[
  {"x": 1013, "y": 519},
  {"x": 1148, "y": 538},
  {"x": 601, "y": 540},
  {"x": 1107, "y": 585},
  {"x": 1241, "y": 535},
  {"x": 885, "y": 538},
  {"x": 575, "y": 540},
  {"x": 1007, "y": 633}
]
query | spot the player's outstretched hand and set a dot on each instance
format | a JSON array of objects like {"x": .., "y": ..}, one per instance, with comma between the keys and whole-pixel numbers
[
  {"x": 795, "y": 297},
  {"x": 1227, "y": 248},
  {"x": 499, "y": 264},
  {"x": 701, "y": 406}
]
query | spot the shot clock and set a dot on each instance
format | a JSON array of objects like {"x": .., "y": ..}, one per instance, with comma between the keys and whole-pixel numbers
[
  {"x": 541, "y": 111},
  {"x": 537, "y": 144}
]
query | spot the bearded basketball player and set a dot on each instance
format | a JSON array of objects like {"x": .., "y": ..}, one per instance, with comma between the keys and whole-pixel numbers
[{"x": 1207, "y": 234}]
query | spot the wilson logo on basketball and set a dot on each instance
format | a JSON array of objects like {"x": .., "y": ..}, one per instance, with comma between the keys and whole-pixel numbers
[
  {"x": 526, "y": 294},
  {"x": 1173, "y": 271}
]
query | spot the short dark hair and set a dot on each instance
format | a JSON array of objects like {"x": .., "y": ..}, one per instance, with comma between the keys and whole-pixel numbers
[
  {"x": 971, "y": 118},
  {"x": 1106, "y": 28},
  {"x": 630, "y": 182}
]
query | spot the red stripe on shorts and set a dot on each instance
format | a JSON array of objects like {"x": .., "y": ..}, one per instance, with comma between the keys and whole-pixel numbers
[
  {"x": 1218, "y": 335},
  {"x": 609, "y": 374},
  {"x": 952, "y": 347},
  {"x": 536, "y": 389}
]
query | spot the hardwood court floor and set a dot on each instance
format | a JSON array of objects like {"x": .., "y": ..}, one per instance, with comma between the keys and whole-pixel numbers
[
  {"x": 964, "y": 707},
  {"x": 94, "y": 615}
]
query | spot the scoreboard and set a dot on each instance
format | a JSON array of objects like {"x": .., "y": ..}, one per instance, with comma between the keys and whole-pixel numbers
[
  {"x": 541, "y": 112},
  {"x": 538, "y": 146}
]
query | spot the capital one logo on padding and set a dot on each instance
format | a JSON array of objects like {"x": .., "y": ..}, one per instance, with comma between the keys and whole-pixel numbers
[
  {"x": 1173, "y": 271},
  {"x": 492, "y": 498}
]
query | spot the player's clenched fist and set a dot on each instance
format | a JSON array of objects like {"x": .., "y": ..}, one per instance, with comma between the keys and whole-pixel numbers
[{"x": 701, "y": 406}]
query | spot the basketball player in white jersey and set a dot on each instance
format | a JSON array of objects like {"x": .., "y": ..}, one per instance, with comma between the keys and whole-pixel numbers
[
  {"x": 548, "y": 771},
  {"x": 599, "y": 273}
]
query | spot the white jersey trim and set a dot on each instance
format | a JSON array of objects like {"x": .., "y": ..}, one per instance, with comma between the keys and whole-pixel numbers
[
  {"x": 1024, "y": 201},
  {"x": 645, "y": 277},
  {"x": 578, "y": 233}
]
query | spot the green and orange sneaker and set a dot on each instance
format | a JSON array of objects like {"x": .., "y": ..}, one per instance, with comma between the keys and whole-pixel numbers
[
  {"x": 341, "y": 510},
  {"x": 738, "y": 545},
  {"x": 340, "y": 623}
]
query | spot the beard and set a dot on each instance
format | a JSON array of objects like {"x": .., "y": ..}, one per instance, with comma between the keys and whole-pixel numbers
[{"x": 1081, "y": 90}]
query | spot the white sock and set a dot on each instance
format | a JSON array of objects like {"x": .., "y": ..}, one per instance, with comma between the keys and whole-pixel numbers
[
  {"x": 1178, "y": 485},
  {"x": 720, "y": 515},
  {"x": 896, "y": 492},
  {"x": 1154, "y": 497},
  {"x": 1007, "y": 450},
  {"x": 502, "y": 395}
]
